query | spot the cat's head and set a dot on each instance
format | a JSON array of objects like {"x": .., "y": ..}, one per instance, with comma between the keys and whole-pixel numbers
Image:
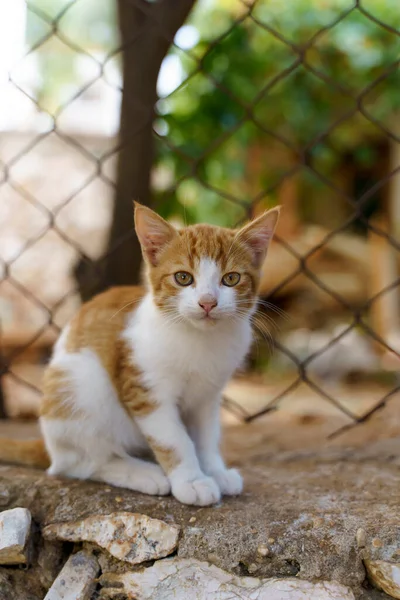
[{"x": 204, "y": 274}]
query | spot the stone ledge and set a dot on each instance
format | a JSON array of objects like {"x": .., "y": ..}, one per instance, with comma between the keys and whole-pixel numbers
[{"x": 304, "y": 519}]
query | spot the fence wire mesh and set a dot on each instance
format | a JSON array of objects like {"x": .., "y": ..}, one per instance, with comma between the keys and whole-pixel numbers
[{"x": 159, "y": 21}]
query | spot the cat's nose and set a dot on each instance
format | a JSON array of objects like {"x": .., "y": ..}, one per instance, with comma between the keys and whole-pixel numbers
[{"x": 207, "y": 303}]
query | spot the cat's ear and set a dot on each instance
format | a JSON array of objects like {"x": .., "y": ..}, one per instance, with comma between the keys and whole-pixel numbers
[
  {"x": 258, "y": 233},
  {"x": 153, "y": 231}
]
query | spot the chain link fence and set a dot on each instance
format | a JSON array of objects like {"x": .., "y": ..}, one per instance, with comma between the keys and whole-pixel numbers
[{"x": 151, "y": 146}]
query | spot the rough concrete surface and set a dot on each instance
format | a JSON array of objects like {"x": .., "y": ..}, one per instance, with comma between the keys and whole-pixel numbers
[{"x": 310, "y": 509}]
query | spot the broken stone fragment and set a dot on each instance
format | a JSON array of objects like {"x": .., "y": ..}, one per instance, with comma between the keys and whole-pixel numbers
[
  {"x": 361, "y": 538},
  {"x": 15, "y": 528},
  {"x": 77, "y": 578},
  {"x": 180, "y": 579},
  {"x": 131, "y": 537},
  {"x": 385, "y": 576}
]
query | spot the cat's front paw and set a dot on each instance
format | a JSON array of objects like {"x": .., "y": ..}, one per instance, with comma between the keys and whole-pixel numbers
[
  {"x": 230, "y": 481},
  {"x": 156, "y": 484},
  {"x": 202, "y": 491}
]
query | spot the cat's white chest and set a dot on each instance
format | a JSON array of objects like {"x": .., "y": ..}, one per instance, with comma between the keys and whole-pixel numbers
[{"x": 183, "y": 362}]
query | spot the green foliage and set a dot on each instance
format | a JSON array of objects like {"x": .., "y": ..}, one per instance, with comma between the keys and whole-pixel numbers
[
  {"x": 299, "y": 107},
  {"x": 240, "y": 84}
]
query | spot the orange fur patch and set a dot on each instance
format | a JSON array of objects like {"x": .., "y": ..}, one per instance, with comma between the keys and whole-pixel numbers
[
  {"x": 55, "y": 400},
  {"x": 168, "y": 458},
  {"x": 133, "y": 395},
  {"x": 31, "y": 453},
  {"x": 98, "y": 326}
]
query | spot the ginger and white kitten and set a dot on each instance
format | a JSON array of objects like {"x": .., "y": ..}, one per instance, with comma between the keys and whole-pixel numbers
[{"x": 141, "y": 370}]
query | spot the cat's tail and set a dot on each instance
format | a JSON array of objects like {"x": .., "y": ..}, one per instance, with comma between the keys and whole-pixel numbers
[{"x": 30, "y": 453}]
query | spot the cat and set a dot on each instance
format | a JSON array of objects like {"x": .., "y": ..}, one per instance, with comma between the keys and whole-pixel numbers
[{"x": 141, "y": 370}]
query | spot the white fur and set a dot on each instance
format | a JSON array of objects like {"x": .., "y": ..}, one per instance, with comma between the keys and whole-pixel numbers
[{"x": 185, "y": 367}]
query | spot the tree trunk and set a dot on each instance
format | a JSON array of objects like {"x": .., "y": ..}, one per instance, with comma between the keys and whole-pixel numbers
[{"x": 147, "y": 31}]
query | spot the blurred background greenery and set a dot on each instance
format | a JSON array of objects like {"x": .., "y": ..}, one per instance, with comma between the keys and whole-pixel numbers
[{"x": 218, "y": 81}]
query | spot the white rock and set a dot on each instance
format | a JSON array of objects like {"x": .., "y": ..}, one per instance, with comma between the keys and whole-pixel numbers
[
  {"x": 180, "y": 579},
  {"x": 77, "y": 578},
  {"x": 15, "y": 527},
  {"x": 385, "y": 576},
  {"x": 361, "y": 538},
  {"x": 131, "y": 537}
]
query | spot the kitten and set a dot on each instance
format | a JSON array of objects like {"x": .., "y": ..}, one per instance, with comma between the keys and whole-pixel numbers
[{"x": 138, "y": 370}]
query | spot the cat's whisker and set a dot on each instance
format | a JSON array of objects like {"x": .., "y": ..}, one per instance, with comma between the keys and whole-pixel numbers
[
  {"x": 282, "y": 313},
  {"x": 267, "y": 318},
  {"x": 262, "y": 315},
  {"x": 172, "y": 317},
  {"x": 269, "y": 305},
  {"x": 124, "y": 307},
  {"x": 265, "y": 334}
]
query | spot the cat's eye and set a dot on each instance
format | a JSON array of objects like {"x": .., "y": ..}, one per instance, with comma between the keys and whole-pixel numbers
[
  {"x": 231, "y": 279},
  {"x": 183, "y": 278}
]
